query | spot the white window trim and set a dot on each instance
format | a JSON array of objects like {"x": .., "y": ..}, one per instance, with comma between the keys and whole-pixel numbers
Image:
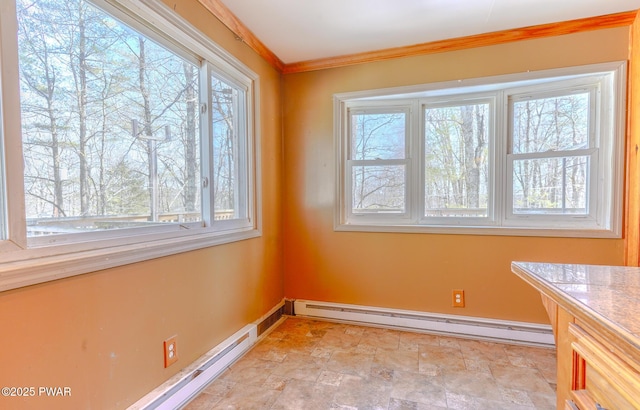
[
  {"x": 490, "y": 219},
  {"x": 21, "y": 265},
  {"x": 610, "y": 156},
  {"x": 408, "y": 109},
  {"x": 594, "y": 152},
  {"x": 245, "y": 146}
]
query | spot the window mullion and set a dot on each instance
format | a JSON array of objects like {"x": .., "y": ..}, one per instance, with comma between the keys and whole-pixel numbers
[
  {"x": 409, "y": 192},
  {"x": 417, "y": 161},
  {"x": 594, "y": 192},
  {"x": 206, "y": 144},
  {"x": 10, "y": 133},
  {"x": 500, "y": 149},
  {"x": 240, "y": 155}
]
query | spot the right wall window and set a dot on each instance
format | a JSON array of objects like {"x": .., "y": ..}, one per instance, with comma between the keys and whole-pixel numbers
[
  {"x": 526, "y": 154},
  {"x": 552, "y": 148}
]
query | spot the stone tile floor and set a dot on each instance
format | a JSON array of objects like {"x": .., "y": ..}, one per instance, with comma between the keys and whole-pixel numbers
[{"x": 308, "y": 364}]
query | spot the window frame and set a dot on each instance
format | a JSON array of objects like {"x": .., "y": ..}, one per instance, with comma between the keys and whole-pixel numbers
[
  {"x": 245, "y": 148},
  {"x": 493, "y": 101},
  {"x": 593, "y": 152},
  {"x": 606, "y": 221},
  {"x": 25, "y": 262},
  {"x": 409, "y": 163}
]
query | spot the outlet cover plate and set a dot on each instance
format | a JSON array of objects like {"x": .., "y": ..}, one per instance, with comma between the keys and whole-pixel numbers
[{"x": 170, "y": 351}]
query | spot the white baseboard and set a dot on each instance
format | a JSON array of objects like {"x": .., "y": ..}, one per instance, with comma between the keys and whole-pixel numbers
[
  {"x": 176, "y": 392},
  {"x": 183, "y": 387},
  {"x": 532, "y": 334}
]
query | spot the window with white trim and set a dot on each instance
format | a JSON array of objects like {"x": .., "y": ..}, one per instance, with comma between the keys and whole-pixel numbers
[
  {"x": 378, "y": 161},
  {"x": 135, "y": 128},
  {"x": 457, "y": 135},
  {"x": 527, "y": 154},
  {"x": 553, "y": 154}
]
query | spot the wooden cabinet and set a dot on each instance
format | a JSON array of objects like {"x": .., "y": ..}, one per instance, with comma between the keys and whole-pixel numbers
[
  {"x": 600, "y": 374},
  {"x": 596, "y": 322}
]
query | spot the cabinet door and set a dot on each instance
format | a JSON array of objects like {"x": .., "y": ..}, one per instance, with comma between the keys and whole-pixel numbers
[{"x": 602, "y": 379}]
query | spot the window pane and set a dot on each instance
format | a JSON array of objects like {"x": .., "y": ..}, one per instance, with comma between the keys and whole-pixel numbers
[
  {"x": 226, "y": 147},
  {"x": 378, "y": 189},
  {"x": 456, "y": 166},
  {"x": 551, "y": 186},
  {"x": 378, "y": 136},
  {"x": 110, "y": 123},
  {"x": 551, "y": 124}
]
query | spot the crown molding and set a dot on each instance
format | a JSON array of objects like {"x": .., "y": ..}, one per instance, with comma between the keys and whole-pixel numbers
[
  {"x": 461, "y": 43},
  {"x": 222, "y": 13}
]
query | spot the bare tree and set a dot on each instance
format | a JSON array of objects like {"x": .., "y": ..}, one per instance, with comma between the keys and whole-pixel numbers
[
  {"x": 38, "y": 74},
  {"x": 455, "y": 159},
  {"x": 78, "y": 62},
  {"x": 378, "y": 137}
]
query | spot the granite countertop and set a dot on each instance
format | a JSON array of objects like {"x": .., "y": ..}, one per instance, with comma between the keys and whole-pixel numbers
[{"x": 609, "y": 295}]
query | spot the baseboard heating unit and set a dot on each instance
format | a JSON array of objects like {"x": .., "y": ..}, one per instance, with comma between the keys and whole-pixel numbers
[
  {"x": 191, "y": 380},
  {"x": 532, "y": 334}
]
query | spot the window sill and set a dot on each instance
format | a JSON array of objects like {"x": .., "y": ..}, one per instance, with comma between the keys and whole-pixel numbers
[
  {"x": 31, "y": 269},
  {"x": 484, "y": 230}
]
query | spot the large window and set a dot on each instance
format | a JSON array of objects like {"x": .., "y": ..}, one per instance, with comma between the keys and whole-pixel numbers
[
  {"x": 530, "y": 154},
  {"x": 135, "y": 128}
]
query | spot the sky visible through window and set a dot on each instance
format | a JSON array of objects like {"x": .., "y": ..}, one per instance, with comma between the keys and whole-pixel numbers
[{"x": 110, "y": 122}]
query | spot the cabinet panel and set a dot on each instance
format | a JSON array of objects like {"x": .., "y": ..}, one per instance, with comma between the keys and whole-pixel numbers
[{"x": 606, "y": 378}]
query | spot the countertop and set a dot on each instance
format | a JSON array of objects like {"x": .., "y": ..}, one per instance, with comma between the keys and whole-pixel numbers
[{"x": 608, "y": 296}]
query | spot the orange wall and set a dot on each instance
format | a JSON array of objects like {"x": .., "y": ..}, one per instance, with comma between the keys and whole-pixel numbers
[
  {"x": 101, "y": 333},
  {"x": 417, "y": 271}
]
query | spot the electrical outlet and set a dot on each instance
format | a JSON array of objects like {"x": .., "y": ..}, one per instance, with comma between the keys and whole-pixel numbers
[
  {"x": 170, "y": 351},
  {"x": 458, "y": 298}
]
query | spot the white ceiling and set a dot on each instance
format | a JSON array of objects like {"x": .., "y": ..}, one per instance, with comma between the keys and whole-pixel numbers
[{"x": 301, "y": 30}]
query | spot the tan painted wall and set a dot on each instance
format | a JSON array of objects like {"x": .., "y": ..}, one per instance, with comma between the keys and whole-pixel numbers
[
  {"x": 417, "y": 271},
  {"x": 101, "y": 333}
]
